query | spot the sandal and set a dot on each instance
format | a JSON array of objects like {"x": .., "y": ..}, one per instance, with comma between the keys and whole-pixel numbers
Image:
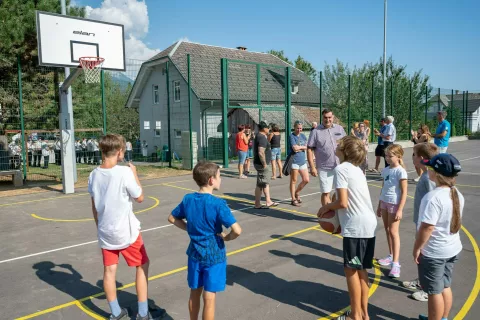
[
  {"x": 262, "y": 207},
  {"x": 295, "y": 203},
  {"x": 274, "y": 204},
  {"x": 272, "y": 178},
  {"x": 298, "y": 198}
]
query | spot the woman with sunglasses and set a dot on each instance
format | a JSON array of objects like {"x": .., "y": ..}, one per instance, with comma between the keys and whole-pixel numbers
[{"x": 298, "y": 147}]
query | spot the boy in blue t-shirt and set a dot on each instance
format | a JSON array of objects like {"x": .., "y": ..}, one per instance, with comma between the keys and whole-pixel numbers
[{"x": 207, "y": 258}]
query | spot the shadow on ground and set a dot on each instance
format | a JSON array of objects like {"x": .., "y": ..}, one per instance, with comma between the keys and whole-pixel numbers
[{"x": 69, "y": 281}]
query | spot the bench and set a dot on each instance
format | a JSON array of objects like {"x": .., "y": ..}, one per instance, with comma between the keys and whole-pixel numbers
[{"x": 17, "y": 176}]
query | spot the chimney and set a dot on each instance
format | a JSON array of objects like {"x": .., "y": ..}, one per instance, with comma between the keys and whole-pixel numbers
[
  {"x": 242, "y": 48},
  {"x": 457, "y": 91}
]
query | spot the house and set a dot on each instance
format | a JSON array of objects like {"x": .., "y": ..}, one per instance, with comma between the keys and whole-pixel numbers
[
  {"x": 149, "y": 93},
  {"x": 473, "y": 108}
]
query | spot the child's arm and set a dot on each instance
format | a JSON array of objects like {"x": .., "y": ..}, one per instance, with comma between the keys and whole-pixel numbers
[
  {"x": 379, "y": 211},
  {"x": 422, "y": 237},
  {"x": 235, "y": 231},
  {"x": 340, "y": 203},
  {"x": 179, "y": 223},
  {"x": 403, "y": 199},
  {"x": 95, "y": 213},
  {"x": 134, "y": 170}
]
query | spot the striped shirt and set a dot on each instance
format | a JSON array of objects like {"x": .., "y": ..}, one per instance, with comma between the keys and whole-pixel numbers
[{"x": 323, "y": 141}]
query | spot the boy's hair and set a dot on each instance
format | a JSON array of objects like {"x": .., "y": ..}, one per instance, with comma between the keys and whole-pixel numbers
[
  {"x": 353, "y": 150},
  {"x": 111, "y": 143},
  {"x": 426, "y": 150},
  {"x": 397, "y": 151},
  {"x": 203, "y": 171}
]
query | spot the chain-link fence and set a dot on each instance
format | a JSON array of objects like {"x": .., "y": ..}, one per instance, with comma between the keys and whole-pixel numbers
[{"x": 160, "y": 127}]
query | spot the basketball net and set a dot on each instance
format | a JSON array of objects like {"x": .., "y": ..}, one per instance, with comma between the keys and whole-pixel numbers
[{"x": 92, "y": 67}]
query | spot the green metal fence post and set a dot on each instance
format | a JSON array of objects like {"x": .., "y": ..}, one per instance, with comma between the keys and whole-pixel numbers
[
  {"x": 391, "y": 97},
  {"x": 438, "y": 99},
  {"x": 426, "y": 103},
  {"x": 464, "y": 131},
  {"x": 190, "y": 111},
  {"x": 373, "y": 109},
  {"x": 410, "y": 113},
  {"x": 453, "y": 116},
  {"x": 224, "y": 67},
  {"x": 466, "y": 110},
  {"x": 320, "y": 82},
  {"x": 170, "y": 151},
  {"x": 259, "y": 94},
  {"x": 288, "y": 105},
  {"x": 104, "y": 108},
  {"x": 22, "y": 124},
  {"x": 348, "y": 103}
]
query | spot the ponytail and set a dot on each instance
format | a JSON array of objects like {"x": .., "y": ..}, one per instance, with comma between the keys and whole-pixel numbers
[
  {"x": 400, "y": 160},
  {"x": 456, "y": 222}
]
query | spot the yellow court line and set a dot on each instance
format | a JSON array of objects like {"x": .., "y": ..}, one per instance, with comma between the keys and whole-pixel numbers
[
  {"x": 476, "y": 286},
  {"x": 87, "y": 310},
  {"x": 75, "y": 302},
  {"x": 78, "y": 195},
  {"x": 157, "y": 202}
]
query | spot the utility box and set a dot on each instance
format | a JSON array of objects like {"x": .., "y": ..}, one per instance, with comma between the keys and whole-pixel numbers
[{"x": 186, "y": 163}]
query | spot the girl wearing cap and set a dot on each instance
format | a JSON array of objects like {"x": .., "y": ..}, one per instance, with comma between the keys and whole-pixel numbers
[{"x": 438, "y": 242}]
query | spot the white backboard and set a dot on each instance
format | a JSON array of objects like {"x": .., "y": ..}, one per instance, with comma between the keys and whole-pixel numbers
[{"x": 62, "y": 40}]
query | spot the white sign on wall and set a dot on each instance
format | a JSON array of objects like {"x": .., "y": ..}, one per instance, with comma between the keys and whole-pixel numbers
[{"x": 146, "y": 125}]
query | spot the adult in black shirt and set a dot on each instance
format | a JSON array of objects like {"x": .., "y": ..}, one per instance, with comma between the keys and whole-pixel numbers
[{"x": 262, "y": 156}]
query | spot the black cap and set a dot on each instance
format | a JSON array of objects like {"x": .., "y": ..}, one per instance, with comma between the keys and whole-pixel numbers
[
  {"x": 263, "y": 125},
  {"x": 445, "y": 164}
]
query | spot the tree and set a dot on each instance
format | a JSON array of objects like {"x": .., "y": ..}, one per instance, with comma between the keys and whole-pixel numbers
[
  {"x": 280, "y": 54},
  {"x": 336, "y": 90},
  {"x": 307, "y": 68}
]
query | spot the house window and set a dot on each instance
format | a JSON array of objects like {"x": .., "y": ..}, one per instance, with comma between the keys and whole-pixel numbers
[
  {"x": 178, "y": 134},
  {"x": 156, "y": 97},
  {"x": 157, "y": 133},
  {"x": 176, "y": 92},
  {"x": 294, "y": 88}
]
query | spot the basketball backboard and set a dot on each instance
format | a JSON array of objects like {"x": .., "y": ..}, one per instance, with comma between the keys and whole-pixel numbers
[{"x": 62, "y": 40}]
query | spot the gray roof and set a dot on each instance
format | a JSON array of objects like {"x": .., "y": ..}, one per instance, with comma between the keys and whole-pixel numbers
[
  {"x": 206, "y": 74},
  {"x": 473, "y": 100}
]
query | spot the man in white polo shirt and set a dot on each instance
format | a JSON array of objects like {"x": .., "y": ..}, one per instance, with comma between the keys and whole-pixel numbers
[{"x": 323, "y": 142}]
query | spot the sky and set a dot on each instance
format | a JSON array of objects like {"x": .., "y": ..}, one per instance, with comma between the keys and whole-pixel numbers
[{"x": 440, "y": 37}]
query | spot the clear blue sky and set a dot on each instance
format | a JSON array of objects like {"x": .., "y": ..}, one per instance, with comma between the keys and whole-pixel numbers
[{"x": 441, "y": 37}]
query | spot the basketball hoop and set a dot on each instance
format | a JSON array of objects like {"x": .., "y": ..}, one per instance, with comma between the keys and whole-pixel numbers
[{"x": 91, "y": 67}]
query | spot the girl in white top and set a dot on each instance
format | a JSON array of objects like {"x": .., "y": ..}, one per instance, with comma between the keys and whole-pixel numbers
[
  {"x": 438, "y": 242},
  {"x": 391, "y": 204}
]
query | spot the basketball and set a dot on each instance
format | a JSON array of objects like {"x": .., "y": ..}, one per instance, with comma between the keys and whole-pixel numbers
[{"x": 330, "y": 222}]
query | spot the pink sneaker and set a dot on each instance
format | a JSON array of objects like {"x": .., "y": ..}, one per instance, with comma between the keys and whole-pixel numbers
[
  {"x": 395, "y": 271},
  {"x": 386, "y": 262}
]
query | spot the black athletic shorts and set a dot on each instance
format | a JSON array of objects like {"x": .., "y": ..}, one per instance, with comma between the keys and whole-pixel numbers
[
  {"x": 380, "y": 151},
  {"x": 358, "y": 253}
]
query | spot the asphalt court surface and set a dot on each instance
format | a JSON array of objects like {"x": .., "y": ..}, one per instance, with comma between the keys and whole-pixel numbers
[{"x": 281, "y": 267}]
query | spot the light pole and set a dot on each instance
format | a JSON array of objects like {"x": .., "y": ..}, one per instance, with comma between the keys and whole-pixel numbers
[{"x": 384, "y": 58}]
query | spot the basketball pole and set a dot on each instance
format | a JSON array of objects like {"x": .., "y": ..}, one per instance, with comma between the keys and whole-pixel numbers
[{"x": 69, "y": 166}]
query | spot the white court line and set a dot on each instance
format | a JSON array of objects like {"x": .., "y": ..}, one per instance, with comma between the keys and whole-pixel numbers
[
  {"x": 70, "y": 247},
  {"x": 469, "y": 159}
]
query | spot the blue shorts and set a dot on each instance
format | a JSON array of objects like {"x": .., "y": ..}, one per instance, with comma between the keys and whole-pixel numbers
[
  {"x": 212, "y": 278},
  {"x": 250, "y": 153},
  {"x": 276, "y": 153},
  {"x": 242, "y": 156}
]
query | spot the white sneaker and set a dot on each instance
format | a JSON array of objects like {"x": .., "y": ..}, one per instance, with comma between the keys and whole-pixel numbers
[
  {"x": 420, "y": 296},
  {"x": 412, "y": 285},
  {"x": 395, "y": 271},
  {"x": 386, "y": 262}
]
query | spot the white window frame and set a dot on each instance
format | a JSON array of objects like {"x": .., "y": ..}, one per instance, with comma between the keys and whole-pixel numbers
[
  {"x": 294, "y": 88},
  {"x": 157, "y": 133},
  {"x": 176, "y": 85},
  {"x": 178, "y": 133},
  {"x": 156, "y": 94}
]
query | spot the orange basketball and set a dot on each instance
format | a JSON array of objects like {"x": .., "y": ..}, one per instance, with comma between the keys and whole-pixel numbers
[{"x": 330, "y": 222}]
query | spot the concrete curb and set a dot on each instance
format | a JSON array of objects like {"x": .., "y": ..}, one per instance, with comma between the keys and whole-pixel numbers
[{"x": 409, "y": 144}]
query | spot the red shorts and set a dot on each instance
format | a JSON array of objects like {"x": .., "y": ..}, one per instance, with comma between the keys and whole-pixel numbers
[{"x": 135, "y": 255}]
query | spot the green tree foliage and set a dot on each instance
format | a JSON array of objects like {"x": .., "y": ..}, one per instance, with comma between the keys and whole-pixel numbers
[
  {"x": 335, "y": 86},
  {"x": 307, "y": 68},
  {"x": 280, "y": 54}
]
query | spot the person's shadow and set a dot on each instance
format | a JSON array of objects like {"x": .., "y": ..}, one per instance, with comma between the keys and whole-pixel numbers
[{"x": 70, "y": 281}]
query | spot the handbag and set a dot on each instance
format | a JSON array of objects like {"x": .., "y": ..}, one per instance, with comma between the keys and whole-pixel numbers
[{"x": 287, "y": 166}]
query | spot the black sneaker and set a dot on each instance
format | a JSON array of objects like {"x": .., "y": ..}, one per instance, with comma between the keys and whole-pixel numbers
[
  {"x": 159, "y": 314},
  {"x": 122, "y": 315},
  {"x": 147, "y": 317}
]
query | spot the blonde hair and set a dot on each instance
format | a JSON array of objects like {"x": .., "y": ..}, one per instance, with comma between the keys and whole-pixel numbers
[
  {"x": 456, "y": 222},
  {"x": 426, "y": 130},
  {"x": 397, "y": 151},
  {"x": 353, "y": 150}
]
